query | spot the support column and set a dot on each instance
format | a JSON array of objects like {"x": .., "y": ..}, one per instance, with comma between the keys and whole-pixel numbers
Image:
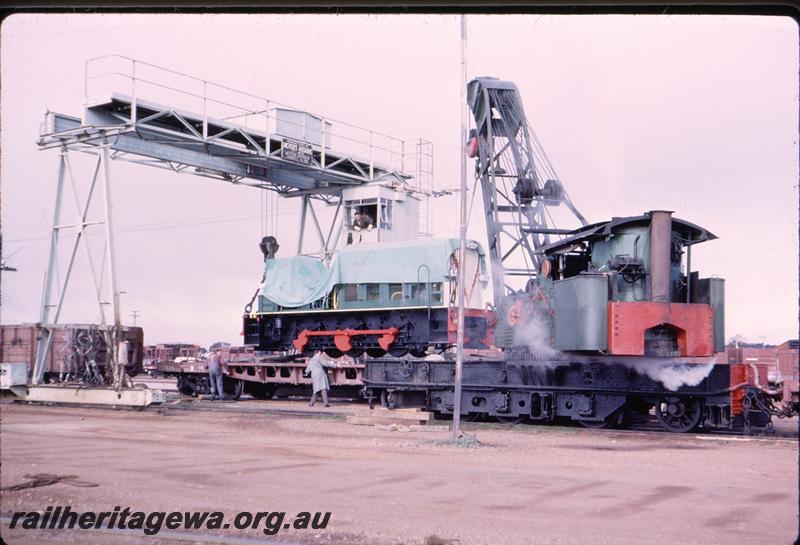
[
  {"x": 113, "y": 336},
  {"x": 302, "y": 225},
  {"x": 44, "y": 341}
]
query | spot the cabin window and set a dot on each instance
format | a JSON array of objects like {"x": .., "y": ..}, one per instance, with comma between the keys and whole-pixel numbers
[
  {"x": 373, "y": 292},
  {"x": 436, "y": 292},
  {"x": 419, "y": 292},
  {"x": 369, "y": 207},
  {"x": 351, "y": 292},
  {"x": 395, "y": 292},
  {"x": 385, "y": 220}
]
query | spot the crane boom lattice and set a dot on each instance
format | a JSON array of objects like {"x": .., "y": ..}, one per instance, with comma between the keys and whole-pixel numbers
[{"x": 517, "y": 181}]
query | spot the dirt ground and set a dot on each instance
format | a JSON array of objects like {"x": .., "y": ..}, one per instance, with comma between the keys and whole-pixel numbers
[{"x": 522, "y": 485}]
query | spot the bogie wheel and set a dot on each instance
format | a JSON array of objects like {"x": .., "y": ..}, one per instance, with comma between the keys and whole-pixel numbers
[
  {"x": 233, "y": 388},
  {"x": 471, "y": 417},
  {"x": 419, "y": 352},
  {"x": 185, "y": 388},
  {"x": 387, "y": 400},
  {"x": 679, "y": 414},
  {"x": 261, "y": 391},
  {"x": 513, "y": 420},
  {"x": 611, "y": 421}
]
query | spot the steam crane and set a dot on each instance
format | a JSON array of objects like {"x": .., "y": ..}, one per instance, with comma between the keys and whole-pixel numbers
[
  {"x": 612, "y": 323},
  {"x": 517, "y": 180}
]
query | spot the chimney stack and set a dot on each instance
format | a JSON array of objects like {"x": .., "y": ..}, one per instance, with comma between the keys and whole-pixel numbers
[{"x": 660, "y": 243}]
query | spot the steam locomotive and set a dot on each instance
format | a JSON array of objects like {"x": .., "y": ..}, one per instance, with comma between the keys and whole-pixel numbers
[{"x": 609, "y": 329}]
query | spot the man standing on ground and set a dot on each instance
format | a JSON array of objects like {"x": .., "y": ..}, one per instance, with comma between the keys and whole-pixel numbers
[
  {"x": 215, "y": 364},
  {"x": 319, "y": 376}
]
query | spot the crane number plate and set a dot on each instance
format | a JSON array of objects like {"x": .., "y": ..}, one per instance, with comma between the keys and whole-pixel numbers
[{"x": 299, "y": 152}]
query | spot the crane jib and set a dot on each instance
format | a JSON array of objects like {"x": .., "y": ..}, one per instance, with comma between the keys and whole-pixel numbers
[{"x": 517, "y": 181}]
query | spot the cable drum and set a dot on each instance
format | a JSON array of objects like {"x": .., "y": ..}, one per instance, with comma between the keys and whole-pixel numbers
[{"x": 524, "y": 191}]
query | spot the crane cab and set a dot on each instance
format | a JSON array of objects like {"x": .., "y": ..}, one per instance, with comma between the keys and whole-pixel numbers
[{"x": 393, "y": 212}]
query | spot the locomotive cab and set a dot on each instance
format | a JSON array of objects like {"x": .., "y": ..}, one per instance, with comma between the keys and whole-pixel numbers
[{"x": 625, "y": 287}]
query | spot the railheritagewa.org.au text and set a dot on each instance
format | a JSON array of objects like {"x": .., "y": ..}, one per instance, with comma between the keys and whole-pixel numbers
[{"x": 150, "y": 523}]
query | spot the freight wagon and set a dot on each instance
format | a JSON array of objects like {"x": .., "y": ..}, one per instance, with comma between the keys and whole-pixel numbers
[
  {"x": 77, "y": 353},
  {"x": 262, "y": 376}
]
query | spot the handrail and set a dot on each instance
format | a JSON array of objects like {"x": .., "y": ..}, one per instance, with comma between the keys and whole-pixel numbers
[{"x": 381, "y": 148}]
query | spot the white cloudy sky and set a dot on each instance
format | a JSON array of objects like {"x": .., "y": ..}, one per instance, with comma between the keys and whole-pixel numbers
[{"x": 696, "y": 114}]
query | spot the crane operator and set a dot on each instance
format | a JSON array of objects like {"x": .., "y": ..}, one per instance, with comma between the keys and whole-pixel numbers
[{"x": 361, "y": 222}]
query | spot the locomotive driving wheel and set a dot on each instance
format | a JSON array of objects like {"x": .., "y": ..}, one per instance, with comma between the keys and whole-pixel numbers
[
  {"x": 679, "y": 414},
  {"x": 509, "y": 419}
]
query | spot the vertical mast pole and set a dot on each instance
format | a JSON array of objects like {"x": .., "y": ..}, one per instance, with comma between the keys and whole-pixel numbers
[
  {"x": 113, "y": 337},
  {"x": 462, "y": 250}
]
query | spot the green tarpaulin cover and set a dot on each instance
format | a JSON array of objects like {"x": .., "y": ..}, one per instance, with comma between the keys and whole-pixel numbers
[{"x": 300, "y": 280}]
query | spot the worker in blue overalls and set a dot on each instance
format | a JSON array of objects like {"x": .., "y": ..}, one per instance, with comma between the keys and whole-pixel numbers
[{"x": 215, "y": 363}]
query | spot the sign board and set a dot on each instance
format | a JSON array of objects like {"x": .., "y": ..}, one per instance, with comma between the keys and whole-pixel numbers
[{"x": 299, "y": 152}]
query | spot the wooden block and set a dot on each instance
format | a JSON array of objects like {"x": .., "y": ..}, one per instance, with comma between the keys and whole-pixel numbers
[
  {"x": 406, "y": 410},
  {"x": 371, "y": 421},
  {"x": 396, "y": 413}
]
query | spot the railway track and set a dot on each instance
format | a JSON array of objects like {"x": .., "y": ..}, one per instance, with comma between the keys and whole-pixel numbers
[{"x": 785, "y": 431}]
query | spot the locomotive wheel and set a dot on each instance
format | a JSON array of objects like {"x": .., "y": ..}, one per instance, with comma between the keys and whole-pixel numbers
[
  {"x": 609, "y": 422},
  {"x": 471, "y": 417},
  {"x": 398, "y": 352},
  {"x": 679, "y": 414},
  {"x": 376, "y": 352},
  {"x": 636, "y": 413},
  {"x": 513, "y": 420},
  {"x": 418, "y": 352},
  {"x": 355, "y": 352},
  {"x": 334, "y": 352}
]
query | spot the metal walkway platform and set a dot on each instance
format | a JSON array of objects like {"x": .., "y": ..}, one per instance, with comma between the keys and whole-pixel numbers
[
  {"x": 232, "y": 135},
  {"x": 177, "y": 140}
]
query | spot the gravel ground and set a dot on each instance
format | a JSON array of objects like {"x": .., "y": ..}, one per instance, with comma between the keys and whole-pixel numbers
[{"x": 519, "y": 485}]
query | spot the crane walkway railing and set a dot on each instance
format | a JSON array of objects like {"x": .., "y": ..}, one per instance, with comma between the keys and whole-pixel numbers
[{"x": 169, "y": 107}]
